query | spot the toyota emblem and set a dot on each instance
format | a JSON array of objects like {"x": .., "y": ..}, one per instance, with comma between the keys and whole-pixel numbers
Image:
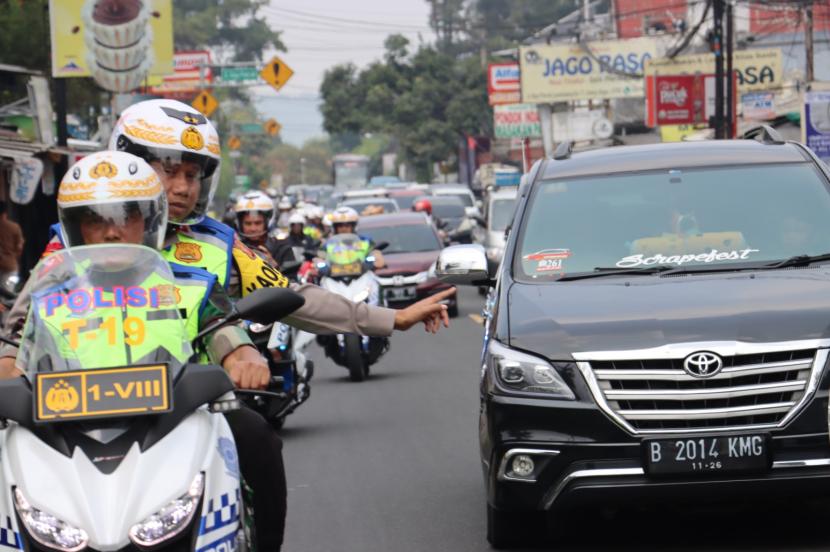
[{"x": 703, "y": 364}]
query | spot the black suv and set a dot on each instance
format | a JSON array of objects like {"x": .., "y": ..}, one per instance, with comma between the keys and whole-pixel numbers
[{"x": 659, "y": 329}]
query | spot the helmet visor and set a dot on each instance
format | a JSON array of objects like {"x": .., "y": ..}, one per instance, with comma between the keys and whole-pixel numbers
[{"x": 134, "y": 222}]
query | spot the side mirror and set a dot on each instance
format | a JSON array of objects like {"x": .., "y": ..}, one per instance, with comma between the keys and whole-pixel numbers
[
  {"x": 267, "y": 305},
  {"x": 381, "y": 245},
  {"x": 463, "y": 265}
]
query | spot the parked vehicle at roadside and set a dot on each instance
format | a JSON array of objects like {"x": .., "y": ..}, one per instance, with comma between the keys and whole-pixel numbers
[{"x": 658, "y": 331}]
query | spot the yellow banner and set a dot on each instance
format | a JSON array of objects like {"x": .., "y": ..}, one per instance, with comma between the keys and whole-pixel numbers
[
  {"x": 570, "y": 72},
  {"x": 761, "y": 69},
  {"x": 78, "y": 30},
  {"x": 677, "y": 133}
]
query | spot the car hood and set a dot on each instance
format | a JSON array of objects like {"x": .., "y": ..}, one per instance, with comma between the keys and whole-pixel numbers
[
  {"x": 556, "y": 320},
  {"x": 398, "y": 263}
]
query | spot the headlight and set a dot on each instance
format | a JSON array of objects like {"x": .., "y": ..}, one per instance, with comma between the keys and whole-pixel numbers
[
  {"x": 171, "y": 520},
  {"x": 526, "y": 373},
  {"x": 48, "y": 530}
]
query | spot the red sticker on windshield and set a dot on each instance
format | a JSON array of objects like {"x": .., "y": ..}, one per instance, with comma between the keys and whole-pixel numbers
[{"x": 549, "y": 260}]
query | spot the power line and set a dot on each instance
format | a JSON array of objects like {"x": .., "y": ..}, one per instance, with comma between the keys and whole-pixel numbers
[{"x": 316, "y": 18}]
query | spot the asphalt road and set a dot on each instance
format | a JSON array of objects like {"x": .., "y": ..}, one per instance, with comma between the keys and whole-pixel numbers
[{"x": 391, "y": 464}]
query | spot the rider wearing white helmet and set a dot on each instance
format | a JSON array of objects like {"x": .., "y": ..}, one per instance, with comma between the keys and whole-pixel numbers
[
  {"x": 255, "y": 222},
  {"x": 344, "y": 221}
]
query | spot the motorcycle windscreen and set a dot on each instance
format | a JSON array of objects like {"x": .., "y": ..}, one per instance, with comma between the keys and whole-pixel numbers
[
  {"x": 345, "y": 254},
  {"x": 104, "y": 332}
]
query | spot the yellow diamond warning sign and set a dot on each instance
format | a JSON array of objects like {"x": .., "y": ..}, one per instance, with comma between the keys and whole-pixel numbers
[
  {"x": 276, "y": 73},
  {"x": 205, "y": 103},
  {"x": 234, "y": 143},
  {"x": 272, "y": 127}
]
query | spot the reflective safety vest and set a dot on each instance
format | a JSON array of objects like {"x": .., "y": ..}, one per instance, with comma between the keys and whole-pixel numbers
[
  {"x": 148, "y": 317},
  {"x": 312, "y": 232},
  {"x": 207, "y": 245}
]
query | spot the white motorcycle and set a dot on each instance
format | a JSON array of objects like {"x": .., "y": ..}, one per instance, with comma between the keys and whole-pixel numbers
[
  {"x": 347, "y": 271},
  {"x": 103, "y": 455}
]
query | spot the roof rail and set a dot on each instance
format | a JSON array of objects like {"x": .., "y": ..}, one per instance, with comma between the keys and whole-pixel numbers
[
  {"x": 766, "y": 133},
  {"x": 563, "y": 150}
]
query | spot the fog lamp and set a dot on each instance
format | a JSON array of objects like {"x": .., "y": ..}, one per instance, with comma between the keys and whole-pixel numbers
[{"x": 522, "y": 465}]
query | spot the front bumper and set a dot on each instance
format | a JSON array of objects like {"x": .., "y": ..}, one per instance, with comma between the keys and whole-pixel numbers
[{"x": 584, "y": 459}]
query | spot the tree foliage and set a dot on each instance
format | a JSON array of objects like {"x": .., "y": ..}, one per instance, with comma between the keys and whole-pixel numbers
[
  {"x": 232, "y": 27},
  {"x": 427, "y": 100}
]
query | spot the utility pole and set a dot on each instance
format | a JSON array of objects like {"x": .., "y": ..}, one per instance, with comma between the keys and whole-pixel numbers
[
  {"x": 717, "y": 45},
  {"x": 808, "y": 39},
  {"x": 730, "y": 80}
]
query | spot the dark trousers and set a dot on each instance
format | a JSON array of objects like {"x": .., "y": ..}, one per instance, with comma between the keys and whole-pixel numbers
[{"x": 260, "y": 461}]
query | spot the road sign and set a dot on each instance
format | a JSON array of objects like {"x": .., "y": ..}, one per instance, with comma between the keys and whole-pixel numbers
[
  {"x": 272, "y": 127},
  {"x": 276, "y": 73},
  {"x": 205, "y": 103},
  {"x": 234, "y": 143},
  {"x": 250, "y": 128},
  {"x": 239, "y": 74}
]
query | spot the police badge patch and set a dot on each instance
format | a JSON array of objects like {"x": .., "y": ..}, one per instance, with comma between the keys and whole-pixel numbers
[{"x": 187, "y": 252}]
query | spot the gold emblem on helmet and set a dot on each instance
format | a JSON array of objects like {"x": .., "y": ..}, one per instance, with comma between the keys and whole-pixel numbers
[
  {"x": 62, "y": 397},
  {"x": 104, "y": 169},
  {"x": 192, "y": 139}
]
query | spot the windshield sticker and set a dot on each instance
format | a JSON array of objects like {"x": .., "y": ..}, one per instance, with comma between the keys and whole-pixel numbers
[
  {"x": 549, "y": 260},
  {"x": 713, "y": 256},
  {"x": 80, "y": 301}
]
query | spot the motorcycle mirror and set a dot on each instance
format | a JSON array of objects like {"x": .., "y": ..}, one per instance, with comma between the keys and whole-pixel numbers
[
  {"x": 309, "y": 255},
  {"x": 382, "y": 245},
  {"x": 267, "y": 305}
]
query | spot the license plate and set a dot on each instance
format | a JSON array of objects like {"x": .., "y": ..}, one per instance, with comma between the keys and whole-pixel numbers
[
  {"x": 728, "y": 453},
  {"x": 105, "y": 393},
  {"x": 401, "y": 293}
]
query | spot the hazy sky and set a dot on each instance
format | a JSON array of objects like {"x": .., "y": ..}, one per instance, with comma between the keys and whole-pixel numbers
[{"x": 322, "y": 33}]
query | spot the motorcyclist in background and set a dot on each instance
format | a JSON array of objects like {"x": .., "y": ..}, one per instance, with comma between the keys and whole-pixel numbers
[
  {"x": 285, "y": 207},
  {"x": 297, "y": 235},
  {"x": 314, "y": 222},
  {"x": 255, "y": 223},
  {"x": 344, "y": 221}
]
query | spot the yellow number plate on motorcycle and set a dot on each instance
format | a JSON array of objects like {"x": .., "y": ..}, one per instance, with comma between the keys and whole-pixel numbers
[
  {"x": 351, "y": 269},
  {"x": 105, "y": 393}
]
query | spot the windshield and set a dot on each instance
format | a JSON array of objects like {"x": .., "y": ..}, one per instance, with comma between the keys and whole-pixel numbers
[
  {"x": 404, "y": 202},
  {"x": 683, "y": 218},
  {"x": 387, "y": 205},
  {"x": 350, "y": 174},
  {"x": 501, "y": 213},
  {"x": 345, "y": 254},
  {"x": 447, "y": 209},
  {"x": 466, "y": 199},
  {"x": 408, "y": 238},
  {"x": 103, "y": 306}
]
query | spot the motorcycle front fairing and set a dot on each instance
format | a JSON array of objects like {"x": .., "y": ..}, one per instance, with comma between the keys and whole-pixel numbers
[{"x": 101, "y": 479}]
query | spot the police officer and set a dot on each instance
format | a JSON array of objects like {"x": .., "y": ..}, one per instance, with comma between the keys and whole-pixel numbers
[
  {"x": 255, "y": 223},
  {"x": 115, "y": 197}
]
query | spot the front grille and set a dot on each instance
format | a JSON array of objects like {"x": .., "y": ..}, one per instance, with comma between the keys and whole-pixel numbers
[{"x": 755, "y": 390}]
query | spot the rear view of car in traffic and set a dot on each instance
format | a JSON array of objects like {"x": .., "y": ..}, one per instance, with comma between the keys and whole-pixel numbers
[
  {"x": 659, "y": 332},
  {"x": 370, "y": 206},
  {"x": 413, "y": 247}
]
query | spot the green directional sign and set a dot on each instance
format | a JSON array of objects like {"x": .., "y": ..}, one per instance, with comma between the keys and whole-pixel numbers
[
  {"x": 239, "y": 74},
  {"x": 250, "y": 128}
]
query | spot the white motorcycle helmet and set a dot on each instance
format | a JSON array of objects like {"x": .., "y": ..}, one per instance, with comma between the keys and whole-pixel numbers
[
  {"x": 114, "y": 187},
  {"x": 254, "y": 202},
  {"x": 296, "y": 218},
  {"x": 171, "y": 132}
]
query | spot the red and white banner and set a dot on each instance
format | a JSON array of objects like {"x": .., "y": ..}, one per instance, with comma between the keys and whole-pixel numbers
[
  {"x": 504, "y": 83},
  {"x": 185, "y": 80}
]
